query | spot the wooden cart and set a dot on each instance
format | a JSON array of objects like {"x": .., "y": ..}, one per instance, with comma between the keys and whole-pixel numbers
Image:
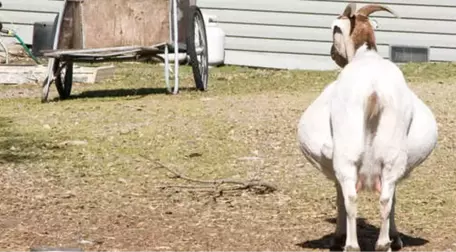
[{"x": 83, "y": 34}]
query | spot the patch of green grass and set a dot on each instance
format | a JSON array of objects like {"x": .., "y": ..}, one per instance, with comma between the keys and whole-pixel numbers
[
  {"x": 430, "y": 72},
  {"x": 134, "y": 101}
]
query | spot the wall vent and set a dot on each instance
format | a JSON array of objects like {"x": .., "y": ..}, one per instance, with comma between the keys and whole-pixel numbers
[{"x": 403, "y": 54}]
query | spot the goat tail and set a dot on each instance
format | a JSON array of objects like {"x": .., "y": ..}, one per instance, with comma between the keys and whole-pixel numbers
[
  {"x": 373, "y": 108},
  {"x": 371, "y": 169}
]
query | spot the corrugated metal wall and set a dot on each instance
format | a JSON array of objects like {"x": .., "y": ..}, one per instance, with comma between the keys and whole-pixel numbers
[
  {"x": 295, "y": 34},
  {"x": 20, "y": 15}
]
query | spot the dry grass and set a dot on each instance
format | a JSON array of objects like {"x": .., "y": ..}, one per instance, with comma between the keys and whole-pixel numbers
[{"x": 72, "y": 174}]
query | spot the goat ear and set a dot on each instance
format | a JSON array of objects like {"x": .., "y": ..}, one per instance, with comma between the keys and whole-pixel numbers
[
  {"x": 350, "y": 10},
  {"x": 374, "y": 24}
]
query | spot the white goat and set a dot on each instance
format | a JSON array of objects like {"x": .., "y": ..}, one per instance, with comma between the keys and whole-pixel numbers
[{"x": 367, "y": 129}]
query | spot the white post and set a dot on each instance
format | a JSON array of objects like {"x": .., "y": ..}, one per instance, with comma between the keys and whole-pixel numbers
[
  {"x": 5, "y": 48},
  {"x": 167, "y": 68},
  {"x": 176, "y": 48}
]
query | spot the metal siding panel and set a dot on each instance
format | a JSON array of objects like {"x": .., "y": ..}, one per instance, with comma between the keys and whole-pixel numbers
[
  {"x": 324, "y": 21},
  {"x": 280, "y": 61},
  {"x": 290, "y": 30},
  {"x": 287, "y": 46},
  {"x": 415, "y": 39},
  {"x": 328, "y": 8},
  {"x": 442, "y": 54},
  {"x": 274, "y": 32},
  {"x": 33, "y": 5},
  {"x": 445, "y": 3},
  {"x": 324, "y": 35},
  {"x": 21, "y": 17}
]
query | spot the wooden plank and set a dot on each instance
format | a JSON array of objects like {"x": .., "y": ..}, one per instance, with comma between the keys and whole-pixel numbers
[
  {"x": 78, "y": 28},
  {"x": 136, "y": 22},
  {"x": 106, "y": 55},
  {"x": 319, "y": 34},
  {"x": 329, "y": 8},
  {"x": 286, "y": 46},
  {"x": 71, "y": 35},
  {"x": 279, "y": 61},
  {"x": 8, "y": 41},
  {"x": 324, "y": 21},
  {"x": 95, "y": 51},
  {"x": 102, "y": 73},
  {"x": 37, "y": 74}
]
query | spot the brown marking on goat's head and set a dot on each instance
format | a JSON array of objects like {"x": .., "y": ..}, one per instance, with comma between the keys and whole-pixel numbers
[
  {"x": 340, "y": 60},
  {"x": 351, "y": 30}
]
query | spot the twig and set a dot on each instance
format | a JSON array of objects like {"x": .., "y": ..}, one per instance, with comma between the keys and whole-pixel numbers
[
  {"x": 185, "y": 186},
  {"x": 216, "y": 183}
]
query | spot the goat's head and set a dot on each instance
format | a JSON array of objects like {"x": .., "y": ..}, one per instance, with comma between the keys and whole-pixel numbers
[{"x": 351, "y": 30}]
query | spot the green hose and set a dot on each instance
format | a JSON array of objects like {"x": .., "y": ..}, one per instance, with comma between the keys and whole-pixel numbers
[{"x": 24, "y": 46}]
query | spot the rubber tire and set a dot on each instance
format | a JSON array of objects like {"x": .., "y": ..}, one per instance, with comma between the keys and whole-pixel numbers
[
  {"x": 64, "y": 86},
  {"x": 200, "y": 80}
]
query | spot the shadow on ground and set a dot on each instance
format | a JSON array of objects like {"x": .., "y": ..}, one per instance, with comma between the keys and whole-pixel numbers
[
  {"x": 124, "y": 92},
  {"x": 16, "y": 147},
  {"x": 367, "y": 236}
]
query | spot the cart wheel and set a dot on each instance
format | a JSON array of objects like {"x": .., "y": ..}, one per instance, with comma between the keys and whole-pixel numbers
[
  {"x": 197, "y": 48},
  {"x": 64, "y": 79}
]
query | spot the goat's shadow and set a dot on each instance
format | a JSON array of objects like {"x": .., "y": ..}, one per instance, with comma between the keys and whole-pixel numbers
[{"x": 367, "y": 236}]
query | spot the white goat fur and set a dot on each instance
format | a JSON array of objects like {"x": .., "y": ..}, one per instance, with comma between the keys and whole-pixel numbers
[{"x": 345, "y": 138}]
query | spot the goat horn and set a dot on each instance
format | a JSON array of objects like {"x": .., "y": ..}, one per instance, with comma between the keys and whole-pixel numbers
[
  {"x": 350, "y": 10},
  {"x": 369, "y": 9}
]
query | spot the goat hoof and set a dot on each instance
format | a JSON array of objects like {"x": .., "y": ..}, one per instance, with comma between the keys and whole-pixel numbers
[
  {"x": 338, "y": 243},
  {"x": 352, "y": 249},
  {"x": 396, "y": 243},
  {"x": 383, "y": 247}
]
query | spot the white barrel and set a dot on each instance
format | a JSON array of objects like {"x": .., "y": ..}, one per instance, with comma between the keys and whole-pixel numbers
[{"x": 215, "y": 41}]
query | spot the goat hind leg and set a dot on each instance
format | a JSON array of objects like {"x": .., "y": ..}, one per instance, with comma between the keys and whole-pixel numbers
[
  {"x": 396, "y": 241},
  {"x": 350, "y": 197},
  {"x": 338, "y": 241},
  {"x": 386, "y": 205}
]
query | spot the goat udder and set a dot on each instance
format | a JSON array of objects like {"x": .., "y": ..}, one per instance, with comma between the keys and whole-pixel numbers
[{"x": 362, "y": 179}]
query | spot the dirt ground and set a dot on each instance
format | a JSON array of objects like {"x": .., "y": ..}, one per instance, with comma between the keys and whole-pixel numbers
[{"x": 74, "y": 173}]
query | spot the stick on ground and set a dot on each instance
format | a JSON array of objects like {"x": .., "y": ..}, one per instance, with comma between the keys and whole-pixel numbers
[{"x": 257, "y": 185}]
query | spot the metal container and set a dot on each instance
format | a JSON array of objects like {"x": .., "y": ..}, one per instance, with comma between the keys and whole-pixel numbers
[
  {"x": 215, "y": 40},
  {"x": 43, "y": 37}
]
